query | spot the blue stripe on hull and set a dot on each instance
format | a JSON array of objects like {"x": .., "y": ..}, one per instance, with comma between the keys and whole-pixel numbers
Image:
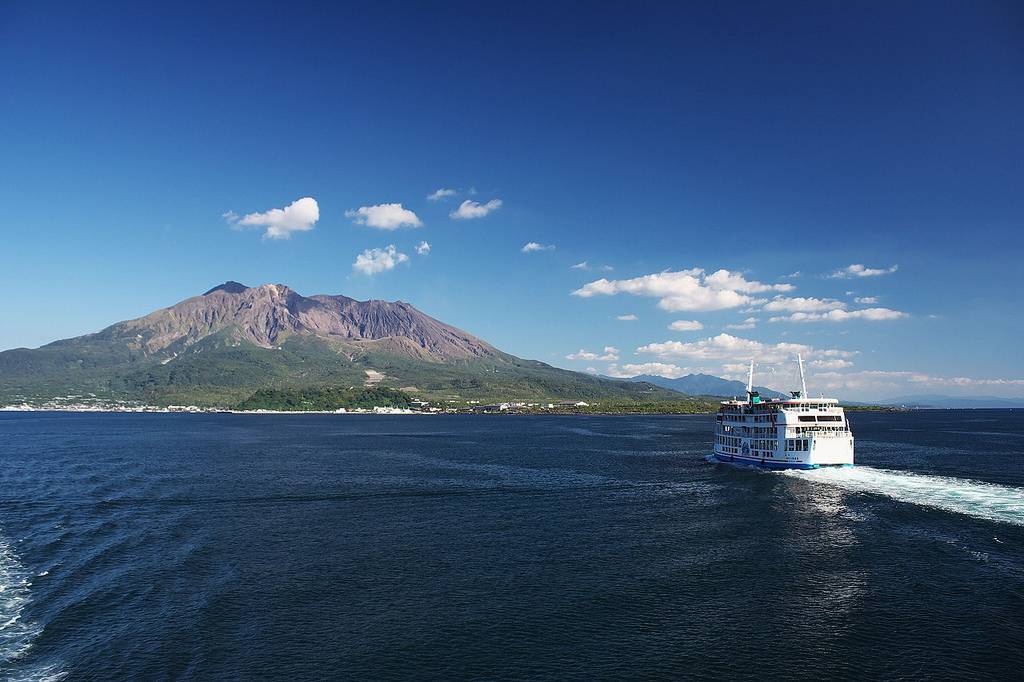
[{"x": 764, "y": 463}]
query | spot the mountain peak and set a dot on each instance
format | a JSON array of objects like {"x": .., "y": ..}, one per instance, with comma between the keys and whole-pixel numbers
[
  {"x": 268, "y": 314},
  {"x": 230, "y": 287},
  {"x": 275, "y": 289}
]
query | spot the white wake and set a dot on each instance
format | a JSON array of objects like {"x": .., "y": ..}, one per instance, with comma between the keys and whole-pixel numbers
[
  {"x": 16, "y": 633},
  {"x": 982, "y": 500}
]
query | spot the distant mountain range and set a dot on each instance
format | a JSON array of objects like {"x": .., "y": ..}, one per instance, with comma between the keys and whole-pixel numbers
[
  {"x": 220, "y": 347},
  {"x": 705, "y": 384},
  {"x": 948, "y": 401}
]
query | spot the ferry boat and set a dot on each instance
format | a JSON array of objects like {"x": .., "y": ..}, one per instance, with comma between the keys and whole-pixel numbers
[{"x": 787, "y": 433}]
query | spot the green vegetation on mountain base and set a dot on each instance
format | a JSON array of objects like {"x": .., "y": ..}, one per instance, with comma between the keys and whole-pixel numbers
[
  {"x": 219, "y": 371},
  {"x": 324, "y": 399},
  {"x": 687, "y": 405},
  {"x": 331, "y": 398},
  {"x": 504, "y": 378}
]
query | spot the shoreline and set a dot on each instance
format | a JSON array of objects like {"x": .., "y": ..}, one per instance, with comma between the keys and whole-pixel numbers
[
  {"x": 385, "y": 411},
  {"x": 199, "y": 410}
]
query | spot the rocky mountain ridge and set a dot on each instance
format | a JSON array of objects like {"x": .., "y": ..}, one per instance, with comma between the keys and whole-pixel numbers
[{"x": 267, "y": 314}]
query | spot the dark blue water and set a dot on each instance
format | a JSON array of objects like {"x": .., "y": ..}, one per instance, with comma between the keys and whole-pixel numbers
[{"x": 304, "y": 546}]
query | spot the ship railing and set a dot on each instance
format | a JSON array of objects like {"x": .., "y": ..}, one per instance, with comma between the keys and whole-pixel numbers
[{"x": 819, "y": 433}]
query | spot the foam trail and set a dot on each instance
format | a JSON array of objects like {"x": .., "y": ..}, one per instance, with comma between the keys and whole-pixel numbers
[
  {"x": 16, "y": 633},
  {"x": 974, "y": 498}
]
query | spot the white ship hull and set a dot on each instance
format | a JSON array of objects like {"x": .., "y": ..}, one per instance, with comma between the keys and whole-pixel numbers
[
  {"x": 793, "y": 433},
  {"x": 784, "y": 463}
]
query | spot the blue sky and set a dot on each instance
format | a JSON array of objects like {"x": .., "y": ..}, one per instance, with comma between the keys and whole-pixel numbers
[{"x": 657, "y": 144}]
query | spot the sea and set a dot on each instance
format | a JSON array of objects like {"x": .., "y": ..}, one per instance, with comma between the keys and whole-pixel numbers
[{"x": 363, "y": 547}]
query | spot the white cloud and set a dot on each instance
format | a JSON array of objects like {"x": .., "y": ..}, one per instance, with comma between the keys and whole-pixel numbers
[
  {"x": 833, "y": 353},
  {"x": 469, "y": 209},
  {"x": 729, "y": 348},
  {"x": 874, "y": 314},
  {"x": 586, "y": 267},
  {"x": 836, "y": 363},
  {"x": 686, "y": 326},
  {"x": 627, "y": 318},
  {"x": 801, "y": 304},
  {"x": 793, "y": 275},
  {"x": 859, "y": 270},
  {"x": 964, "y": 381},
  {"x": 748, "y": 323},
  {"x": 372, "y": 261},
  {"x": 659, "y": 369},
  {"x": 384, "y": 217},
  {"x": 299, "y": 216},
  {"x": 825, "y": 369},
  {"x": 531, "y": 247},
  {"x": 611, "y": 354},
  {"x": 734, "y": 281},
  {"x": 441, "y": 194},
  {"x": 866, "y": 300},
  {"x": 881, "y": 384},
  {"x": 423, "y": 248},
  {"x": 729, "y": 356},
  {"x": 735, "y": 369},
  {"x": 689, "y": 290}
]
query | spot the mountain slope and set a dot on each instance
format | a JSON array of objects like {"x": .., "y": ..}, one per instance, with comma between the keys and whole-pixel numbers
[
  {"x": 219, "y": 348},
  {"x": 705, "y": 384}
]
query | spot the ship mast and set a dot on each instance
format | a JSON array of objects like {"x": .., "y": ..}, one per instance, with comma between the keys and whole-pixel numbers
[
  {"x": 803, "y": 383},
  {"x": 753, "y": 397}
]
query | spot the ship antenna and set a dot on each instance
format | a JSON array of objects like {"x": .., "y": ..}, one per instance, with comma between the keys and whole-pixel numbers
[
  {"x": 750, "y": 379},
  {"x": 803, "y": 383}
]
